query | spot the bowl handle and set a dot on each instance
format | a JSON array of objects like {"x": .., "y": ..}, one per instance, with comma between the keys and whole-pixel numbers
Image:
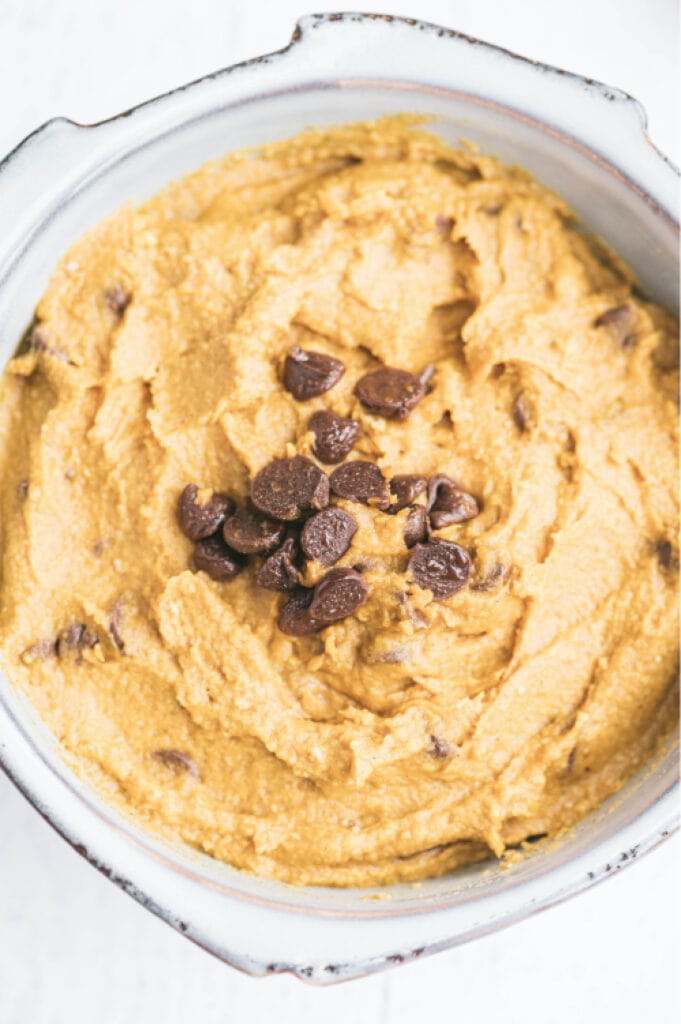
[
  {"x": 32, "y": 175},
  {"x": 597, "y": 117}
]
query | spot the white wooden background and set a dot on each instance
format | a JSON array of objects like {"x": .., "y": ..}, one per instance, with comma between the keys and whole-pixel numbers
[{"x": 75, "y": 950}]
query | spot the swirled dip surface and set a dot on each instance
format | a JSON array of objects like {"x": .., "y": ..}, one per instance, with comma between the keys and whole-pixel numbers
[{"x": 424, "y": 727}]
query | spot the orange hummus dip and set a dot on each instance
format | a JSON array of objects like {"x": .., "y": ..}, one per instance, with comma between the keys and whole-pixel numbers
[{"x": 433, "y": 720}]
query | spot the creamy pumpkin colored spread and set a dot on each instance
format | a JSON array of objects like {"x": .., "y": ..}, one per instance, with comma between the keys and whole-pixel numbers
[{"x": 417, "y": 732}]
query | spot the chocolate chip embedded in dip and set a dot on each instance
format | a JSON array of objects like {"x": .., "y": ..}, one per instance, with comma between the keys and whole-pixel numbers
[
  {"x": 335, "y": 436},
  {"x": 200, "y": 514},
  {"x": 339, "y": 510},
  {"x": 251, "y": 533},
  {"x": 310, "y": 374},
  {"x": 286, "y": 488},
  {"x": 391, "y": 392},
  {"x": 361, "y": 481},
  {"x": 327, "y": 536}
]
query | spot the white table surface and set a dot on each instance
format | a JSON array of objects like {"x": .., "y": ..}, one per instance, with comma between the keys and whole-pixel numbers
[{"x": 73, "y": 948}]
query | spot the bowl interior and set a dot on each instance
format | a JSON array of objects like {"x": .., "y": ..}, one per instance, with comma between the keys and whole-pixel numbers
[{"x": 602, "y": 197}]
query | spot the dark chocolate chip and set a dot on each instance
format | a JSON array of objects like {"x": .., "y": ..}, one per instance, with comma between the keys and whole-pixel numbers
[
  {"x": 617, "y": 315},
  {"x": 391, "y": 393},
  {"x": 416, "y": 527},
  {"x": 447, "y": 503},
  {"x": 335, "y": 436},
  {"x": 523, "y": 416},
  {"x": 70, "y": 637},
  {"x": 115, "y": 624},
  {"x": 665, "y": 554},
  {"x": 440, "y": 566},
  {"x": 212, "y": 556},
  {"x": 394, "y": 656},
  {"x": 180, "y": 760},
  {"x": 294, "y": 617},
  {"x": 117, "y": 299},
  {"x": 326, "y": 536},
  {"x": 337, "y": 595},
  {"x": 76, "y": 637},
  {"x": 362, "y": 482},
  {"x": 279, "y": 572},
  {"x": 44, "y": 648},
  {"x": 285, "y": 488},
  {"x": 492, "y": 579},
  {"x": 251, "y": 533},
  {"x": 439, "y": 748},
  {"x": 309, "y": 374},
  {"x": 444, "y": 225},
  {"x": 405, "y": 489},
  {"x": 199, "y": 520}
]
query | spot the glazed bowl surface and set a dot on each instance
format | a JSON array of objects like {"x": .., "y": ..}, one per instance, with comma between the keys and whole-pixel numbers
[{"x": 586, "y": 141}]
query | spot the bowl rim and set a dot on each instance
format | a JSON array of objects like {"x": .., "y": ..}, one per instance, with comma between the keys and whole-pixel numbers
[{"x": 303, "y": 29}]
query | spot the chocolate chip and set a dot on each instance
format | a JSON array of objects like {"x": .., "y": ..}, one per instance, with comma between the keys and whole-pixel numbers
[
  {"x": 447, "y": 503},
  {"x": 70, "y": 637},
  {"x": 621, "y": 320},
  {"x": 40, "y": 650},
  {"x": 294, "y": 617},
  {"x": 117, "y": 299},
  {"x": 326, "y": 537},
  {"x": 309, "y": 374},
  {"x": 391, "y": 393},
  {"x": 440, "y": 566},
  {"x": 439, "y": 748},
  {"x": 202, "y": 519},
  {"x": 416, "y": 527},
  {"x": 572, "y": 757},
  {"x": 362, "y": 482},
  {"x": 180, "y": 760},
  {"x": 617, "y": 315},
  {"x": 115, "y": 624},
  {"x": 285, "y": 488},
  {"x": 337, "y": 595},
  {"x": 251, "y": 533},
  {"x": 444, "y": 225},
  {"x": 279, "y": 572},
  {"x": 405, "y": 489},
  {"x": 393, "y": 656},
  {"x": 491, "y": 579},
  {"x": 665, "y": 554},
  {"x": 213, "y": 557},
  {"x": 335, "y": 436},
  {"x": 76, "y": 637},
  {"x": 523, "y": 416}
]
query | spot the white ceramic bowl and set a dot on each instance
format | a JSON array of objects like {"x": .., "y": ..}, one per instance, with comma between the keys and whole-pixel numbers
[{"x": 585, "y": 140}]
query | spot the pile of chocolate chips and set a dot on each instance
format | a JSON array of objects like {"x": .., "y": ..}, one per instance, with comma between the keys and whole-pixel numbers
[{"x": 290, "y": 516}]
